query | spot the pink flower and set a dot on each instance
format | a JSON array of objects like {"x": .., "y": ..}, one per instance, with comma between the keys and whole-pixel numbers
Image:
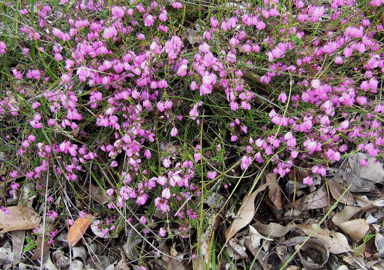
[
  {"x": 17, "y": 74},
  {"x": 320, "y": 170},
  {"x": 14, "y": 186},
  {"x": 147, "y": 154},
  {"x": 5, "y": 210},
  {"x": 162, "y": 180},
  {"x": 315, "y": 83},
  {"x": 118, "y": 12},
  {"x": 52, "y": 214},
  {"x": 110, "y": 32},
  {"x": 283, "y": 97},
  {"x": 363, "y": 162},
  {"x": 13, "y": 174},
  {"x": 312, "y": 146},
  {"x": 308, "y": 180},
  {"x": 140, "y": 36},
  {"x": 211, "y": 175},
  {"x": 110, "y": 192},
  {"x": 197, "y": 157},
  {"x": 167, "y": 162},
  {"x": 143, "y": 220},
  {"x": 162, "y": 232},
  {"x": 174, "y": 132},
  {"x": 166, "y": 193},
  {"x": 141, "y": 200},
  {"x": 2, "y": 47},
  {"x": 114, "y": 163},
  {"x": 245, "y": 162}
]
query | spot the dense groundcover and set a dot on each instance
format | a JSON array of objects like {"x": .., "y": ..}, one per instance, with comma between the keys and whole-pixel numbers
[{"x": 155, "y": 121}]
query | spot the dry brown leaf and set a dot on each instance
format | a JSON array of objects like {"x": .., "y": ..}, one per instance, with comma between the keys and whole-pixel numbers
[
  {"x": 47, "y": 262},
  {"x": 373, "y": 171},
  {"x": 273, "y": 230},
  {"x": 337, "y": 190},
  {"x": 337, "y": 243},
  {"x": 77, "y": 230},
  {"x": 315, "y": 200},
  {"x": 175, "y": 265},
  {"x": 274, "y": 191},
  {"x": 313, "y": 254},
  {"x": 18, "y": 238},
  {"x": 356, "y": 229},
  {"x": 20, "y": 218},
  {"x": 359, "y": 184},
  {"x": 245, "y": 214},
  {"x": 98, "y": 194},
  {"x": 238, "y": 247},
  {"x": 37, "y": 252}
]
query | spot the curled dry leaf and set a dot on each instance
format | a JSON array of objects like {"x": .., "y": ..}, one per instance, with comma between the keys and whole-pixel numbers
[
  {"x": 47, "y": 262},
  {"x": 373, "y": 171},
  {"x": 79, "y": 252},
  {"x": 274, "y": 194},
  {"x": 359, "y": 184},
  {"x": 60, "y": 259},
  {"x": 315, "y": 200},
  {"x": 20, "y": 218},
  {"x": 314, "y": 254},
  {"x": 77, "y": 230},
  {"x": 98, "y": 194},
  {"x": 337, "y": 190},
  {"x": 273, "y": 230},
  {"x": 336, "y": 243},
  {"x": 356, "y": 229},
  {"x": 18, "y": 238},
  {"x": 238, "y": 247},
  {"x": 245, "y": 214},
  {"x": 37, "y": 252}
]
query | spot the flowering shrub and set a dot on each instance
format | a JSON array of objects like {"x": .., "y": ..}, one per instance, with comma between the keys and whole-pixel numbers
[{"x": 118, "y": 97}]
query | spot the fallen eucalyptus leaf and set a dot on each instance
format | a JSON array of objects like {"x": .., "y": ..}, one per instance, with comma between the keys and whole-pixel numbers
[
  {"x": 373, "y": 171},
  {"x": 37, "y": 251},
  {"x": 273, "y": 230},
  {"x": 47, "y": 262},
  {"x": 238, "y": 247},
  {"x": 336, "y": 243},
  {"x": 20, "y": 218},
  {"x": 18, "y": 238},
  {"x": 356, "y": 229},
  {"x": 60, "y": 260},
  {"x": 337, "y": 190},
  {"x": 77, "y": 230},
  {"x": 245, "y": 213},
  {"x": 79, "y": 252},
  {"x": 315, "y": 200}
]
